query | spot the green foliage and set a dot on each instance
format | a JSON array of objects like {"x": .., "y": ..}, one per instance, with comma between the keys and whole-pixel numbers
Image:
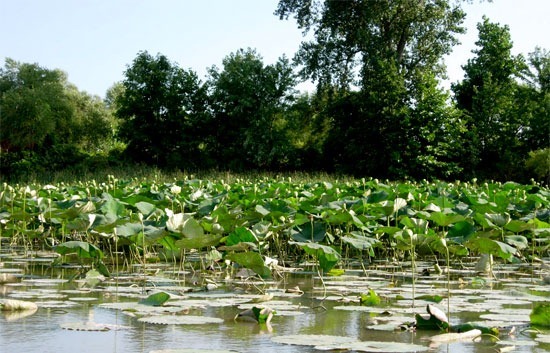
[
  {"x": 254, "y": 218},
  {"x": 80, "y": 248},
  {"x": 540, "y": 315},
  {"x": 156, "y": 299},
  {"x": 539, "y": 163},
  {"x": 492, "y": 99},
  {"x": 249, "y": 101},
  {"x": 47, "y": 124},
  {"x": 251, "y": 260},
  {"x": 162, "y": 110},
  {"x": 370, "y": 299},
  {"x": 327, "y": 256}
]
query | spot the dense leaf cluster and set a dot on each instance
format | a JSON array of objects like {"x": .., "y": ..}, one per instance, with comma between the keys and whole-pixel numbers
[{"x": 248, "y": 221}]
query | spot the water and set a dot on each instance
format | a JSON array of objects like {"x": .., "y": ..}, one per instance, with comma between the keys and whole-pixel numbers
[{"x": 43, "y": 332}]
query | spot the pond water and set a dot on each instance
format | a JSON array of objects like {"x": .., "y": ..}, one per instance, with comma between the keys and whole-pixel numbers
[{"x": 68, "y": 305}]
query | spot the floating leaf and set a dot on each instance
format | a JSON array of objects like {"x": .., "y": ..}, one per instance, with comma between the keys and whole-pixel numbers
[
  {"x": 180, "y": 320},
  {"x": 376, "y": 347},
  {"x": 313, "y": 340},
  {"x": 430, "y": 298},
  {"x": 16, "y": 305},
  {"x": 84, "y": 326},
  {"x": 156, "y": 299},
  {"x": 455, "y": 336},
  {"x": 192, "y": 350}
]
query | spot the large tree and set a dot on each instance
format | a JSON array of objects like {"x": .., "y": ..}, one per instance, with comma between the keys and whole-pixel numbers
[
  {"x": 35, "y": 107},
  {"x": 390, "y": 52},
  {"x": 46, "y": 123},
  {"x": 249, "y": 101},
  {"x": 162, "y": 109},
  {"x": 487, "y": 96}
]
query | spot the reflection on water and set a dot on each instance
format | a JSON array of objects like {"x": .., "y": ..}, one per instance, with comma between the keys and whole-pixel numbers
[{"x": 42, "y": 332}]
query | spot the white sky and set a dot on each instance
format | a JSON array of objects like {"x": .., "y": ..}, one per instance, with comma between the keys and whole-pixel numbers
[{"x": 94, "y": 40}]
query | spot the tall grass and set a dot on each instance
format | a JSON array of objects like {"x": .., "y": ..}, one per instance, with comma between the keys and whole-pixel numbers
[{"x": 154, "y": 174}]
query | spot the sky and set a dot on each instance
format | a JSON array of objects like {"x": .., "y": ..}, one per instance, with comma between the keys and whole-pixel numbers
[{"x": 94, "y": 41}]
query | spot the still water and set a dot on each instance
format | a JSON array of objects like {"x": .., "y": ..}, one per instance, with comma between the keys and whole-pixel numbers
[{"x": 64, "y": 299}]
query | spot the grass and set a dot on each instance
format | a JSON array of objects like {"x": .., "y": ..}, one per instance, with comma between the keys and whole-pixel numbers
[{"x": 144, "y": 172}]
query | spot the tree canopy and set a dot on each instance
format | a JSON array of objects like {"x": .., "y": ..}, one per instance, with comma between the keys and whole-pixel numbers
[{"x": 379, "y": 108}]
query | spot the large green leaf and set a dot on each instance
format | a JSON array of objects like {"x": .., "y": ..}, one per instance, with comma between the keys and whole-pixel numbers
[
  {"x": 460, "y": 232},
  {"x": 311, "y": 231},
  {"x": 359, "y": 241},
  {"x": 81, "y": 248},
  {"x": 155, "y": 299},
  {"x": 498, "y": 219},
  {"x": 192, "y": 229},
  {"x": 493, "y": 247},
  {"x": 240, "y": 235},
  {"x": 446, "y": 219},
  {"x": 251, "y": 260},
  {"x": 327, "y": 256},
  {"x": 112, "y": 208},
  {"x": 518, "y": 241},
  {"x": 136, "y": 231},
  {"x": 204, "y": 241}
]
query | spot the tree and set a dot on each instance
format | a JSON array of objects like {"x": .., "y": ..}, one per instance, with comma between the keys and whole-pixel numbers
[
  {"x": 487, "y": 96},
  {"x": 45, "y": 122},
  {"x": 34, "y": 107},
  {"x": 534, "y": 100},
  {"x": 249, "y": 100},
  {"x": 390, "y": 53},
  {"x": 162, "y": 109}
]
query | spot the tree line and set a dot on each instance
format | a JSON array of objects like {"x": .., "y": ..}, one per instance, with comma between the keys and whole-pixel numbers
[{"x": 378, "y": 110}]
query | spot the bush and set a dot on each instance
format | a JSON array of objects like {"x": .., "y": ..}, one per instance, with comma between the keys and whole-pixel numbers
[{"x": 538, "y": 164}]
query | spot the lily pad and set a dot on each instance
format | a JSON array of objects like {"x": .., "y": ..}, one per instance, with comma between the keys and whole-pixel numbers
[
  {"x": 180, "y": 320},
  {"x": 506, "y": 317},
  {"x": 84, "y": 326},
  {"x": 156, "y": 299},
  {"x": 377, "y": 347},
  {"x": 542, "y": 338},
  {"x": 16, "y": 305},
  {"x": 192, "y": 350},
  {"x": 455, "y": 336},
  {"x": 313, "y": 340}
]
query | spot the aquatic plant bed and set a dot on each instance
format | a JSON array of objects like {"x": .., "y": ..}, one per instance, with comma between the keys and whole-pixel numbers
[{"x": 272, "y": 264}]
